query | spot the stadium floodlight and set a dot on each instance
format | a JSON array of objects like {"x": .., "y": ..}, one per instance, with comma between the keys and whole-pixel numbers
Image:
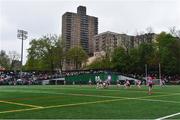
[{"x": 21, "y": 34}]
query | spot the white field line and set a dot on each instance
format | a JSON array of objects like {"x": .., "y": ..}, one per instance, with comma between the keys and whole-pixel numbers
[
  {"x": 58, "y": 106},
  {"x": 168, "y": 116},
  {"x": 161, "y": 95},
  {"x": 105, "y": 89},
  {"x": 20, "y": 110},
  {"x": 120, "y": 98},
  {"x": 60, "y": 93},
  {"x": 103, "y": 96},
  {"x": 154, "y": 100},
  {"x": 61, "y": 88},
  {"x": 102, "y": 90},
  {"x": 20, "y": 104}
]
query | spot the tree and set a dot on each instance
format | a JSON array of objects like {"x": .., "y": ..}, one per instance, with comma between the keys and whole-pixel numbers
[
  {"x": 77, "y": 56},
  {"x": 146, "y": 51},
  {"x": 120, "y": 59},
  {"x": 101, "y": 63},
  {"x": 174, "y": 32},
  {"x": 4, "y": 60},
  {"x": 169, "y": 52},
  {"x": 134, "y": 61},
  {"x": 14, "y": 60},
  {"x": 45, "y": 53},
  {"x": 149, "y": 30},
  {"x": 36, "y": 55},
  {"x": 59, "y": 53}
]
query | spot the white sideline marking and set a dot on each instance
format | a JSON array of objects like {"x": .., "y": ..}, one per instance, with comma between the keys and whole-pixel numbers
[
  {"x": 154, "y": 100},
  {"x": 91, "y": 95},
  {"x": 168, "y": 116},
  {"x": 21, "y": 104},
  {"x": 103, "y": 90},
  {"x": 99, "y": 90}
]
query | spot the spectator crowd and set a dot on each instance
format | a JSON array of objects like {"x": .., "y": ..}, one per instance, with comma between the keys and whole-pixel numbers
[{"x": 36, "y": 78}]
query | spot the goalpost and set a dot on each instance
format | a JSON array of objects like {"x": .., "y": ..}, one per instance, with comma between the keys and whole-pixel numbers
[
  {"x": 122, "y": 79},
  {"x": 155, "y": 81}
]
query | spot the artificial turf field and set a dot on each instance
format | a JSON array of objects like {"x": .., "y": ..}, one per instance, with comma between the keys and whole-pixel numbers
[{"x": 85, "y": 102}]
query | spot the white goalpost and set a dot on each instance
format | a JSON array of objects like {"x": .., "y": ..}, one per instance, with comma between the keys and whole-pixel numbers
[{"x": 155, "y": 81}]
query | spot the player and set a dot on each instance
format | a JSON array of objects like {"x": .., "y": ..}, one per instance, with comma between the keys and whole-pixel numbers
[
  {"x": 162, "y": 83},
  {"x": 109, "y": 78},
  {"x": 105, "y": 84},
  {"x": 118, "y": 83},
  {"x": 138, "y": 83},
  {"x": 90, "y": 82},
  {"x": 127, "y": 84},
  {"x": 150, "y": 85},
  {"x": 98, "y": 82}
]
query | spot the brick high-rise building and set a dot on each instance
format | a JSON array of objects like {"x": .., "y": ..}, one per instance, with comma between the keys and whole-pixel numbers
[{"x": 78, "y": 29}]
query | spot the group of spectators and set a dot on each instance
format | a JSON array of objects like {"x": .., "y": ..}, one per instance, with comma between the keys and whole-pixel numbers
[
  {"x": 72, "y": 73},
  {"x": 25, "y": 78},
  {"x": 167, "y": 78},
  {"x": 36, "y": 78}
]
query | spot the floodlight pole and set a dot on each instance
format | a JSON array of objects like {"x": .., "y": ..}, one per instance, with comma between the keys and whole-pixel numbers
[
  {"x": 146, "y": 72},
  {"x": 21, "y": 54},
  {"x": 160, "y": 74},
  {"x": 22, "y": 35}
]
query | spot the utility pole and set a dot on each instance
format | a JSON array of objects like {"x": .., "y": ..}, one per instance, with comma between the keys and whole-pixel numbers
[{"x": 21, "y": 34}]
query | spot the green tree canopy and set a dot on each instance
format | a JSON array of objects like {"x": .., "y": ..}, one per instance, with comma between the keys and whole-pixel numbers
[
  {"x": 77, "y": 56},
  {"x": 45, "y": 54},
  {"x": 4, "y": 60},
  {"x": 120, "y": 59},
  {"x": 101, "y": 63},
  {"x": 169, "y": 51}
]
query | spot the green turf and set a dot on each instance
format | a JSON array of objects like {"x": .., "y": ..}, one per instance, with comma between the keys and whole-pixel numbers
[
  {"x": 83, "y": 102},
  {"x": 175, "y": 117},
  {"x": 5, "y": 107}
]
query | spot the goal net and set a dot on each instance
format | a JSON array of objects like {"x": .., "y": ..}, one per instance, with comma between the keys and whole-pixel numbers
[
  {"x": 157, "y": 81},
  {"x": 122, "y": 79}
]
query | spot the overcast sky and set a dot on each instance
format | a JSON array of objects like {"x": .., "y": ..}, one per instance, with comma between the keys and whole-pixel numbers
[{"x": 40, "y": 17}]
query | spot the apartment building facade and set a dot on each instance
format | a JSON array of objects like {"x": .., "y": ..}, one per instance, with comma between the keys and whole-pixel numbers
[
  {"x": 144, "y": 38},
  {"x": 108, "y": 41},
  {"x": 105, "y": 41},
  {"x": 78, "y": 29}
]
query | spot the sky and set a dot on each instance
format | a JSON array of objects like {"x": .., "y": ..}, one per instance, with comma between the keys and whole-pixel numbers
[{"x": 42, "y": 17}]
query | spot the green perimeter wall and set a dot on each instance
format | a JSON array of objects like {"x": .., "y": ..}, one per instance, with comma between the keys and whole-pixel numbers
[{"x": 84, "y": 78}]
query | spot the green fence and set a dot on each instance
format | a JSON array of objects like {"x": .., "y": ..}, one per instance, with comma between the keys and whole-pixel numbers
[{"x": 84, "y": 78}]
